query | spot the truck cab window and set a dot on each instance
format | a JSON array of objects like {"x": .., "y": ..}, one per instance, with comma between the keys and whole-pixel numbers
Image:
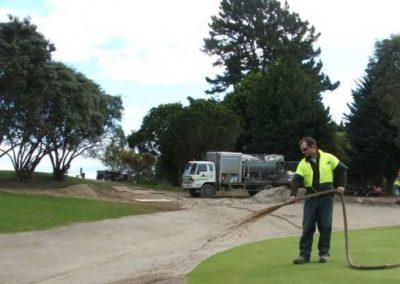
[
  {"x": 210, "y": 167},
  {"x": 190, "y": 169},
  {"x": 201, "y": 168}
]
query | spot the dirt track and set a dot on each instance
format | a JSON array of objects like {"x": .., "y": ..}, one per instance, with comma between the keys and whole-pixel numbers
[{"x": 160, "y": 247}]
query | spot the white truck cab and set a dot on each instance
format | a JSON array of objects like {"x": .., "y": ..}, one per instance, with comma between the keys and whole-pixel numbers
[{"x": 199, "y": 178}]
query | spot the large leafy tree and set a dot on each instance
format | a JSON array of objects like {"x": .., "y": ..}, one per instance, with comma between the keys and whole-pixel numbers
[
  {"x": 204, "y": 125},
  {"x": 154, "y": 125},
  {"x": 185, "y": 133},
  {"x": 247, "y": 35},
  {"x": 141, "y": 164},
  {"x": 384, "y": 68},
  {"x": 81, "y": 116},
  {"x": 110, "y": 155},
  {"x": 374, "y": 153},
  {"x": 24, "y": 58},
  {"x": 278, "y": 108},
  {"x": 46, "y": 107}
]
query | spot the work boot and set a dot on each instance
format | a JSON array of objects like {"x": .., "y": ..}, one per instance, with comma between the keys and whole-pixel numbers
[
  {"x": 301, "y": 259},
  {"x": 323, "y": 258}
]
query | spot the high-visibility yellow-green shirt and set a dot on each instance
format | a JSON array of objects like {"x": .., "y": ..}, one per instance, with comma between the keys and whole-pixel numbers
[
  {"x": 397, "y": 181},
  {"x": 327, "y": 163}
]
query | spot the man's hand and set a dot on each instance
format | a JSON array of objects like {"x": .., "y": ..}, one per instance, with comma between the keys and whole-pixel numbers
[
  {"x": 340, "y": 189},
  {"x": 292, "y": 199}
]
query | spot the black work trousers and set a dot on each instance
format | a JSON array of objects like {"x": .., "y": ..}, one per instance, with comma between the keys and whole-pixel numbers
[{"x": 317, "y": 211}]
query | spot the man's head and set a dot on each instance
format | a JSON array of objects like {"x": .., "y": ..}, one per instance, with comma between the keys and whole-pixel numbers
[{"x": 308, "y": 147}]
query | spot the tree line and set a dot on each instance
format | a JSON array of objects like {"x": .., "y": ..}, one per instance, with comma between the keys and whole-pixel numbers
[
  {"x": 267, "y": 97},
  {"x": 47, "y": 108},
  {"x": 272, "y": 86}
]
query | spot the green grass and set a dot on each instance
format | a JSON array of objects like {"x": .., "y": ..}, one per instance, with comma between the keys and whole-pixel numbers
[
  {"x": 23, "y": 212},
  {"x": 270, "y": 261},
  {"x": 46, "y": 180}
]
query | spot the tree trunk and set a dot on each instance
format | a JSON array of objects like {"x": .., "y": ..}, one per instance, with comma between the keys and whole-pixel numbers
[
  {"x": 60, "y": 172},
  {"x": 23, "y": 174}
]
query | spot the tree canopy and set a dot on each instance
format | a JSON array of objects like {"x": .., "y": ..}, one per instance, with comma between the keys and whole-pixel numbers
[
  {"x": 371, "y": 124},
  {"x": 46, "y": 107},
  {"x": 185, "y": 133},
  {"x": 248, "y": 35},
  {"x": 278, "y": 108}
]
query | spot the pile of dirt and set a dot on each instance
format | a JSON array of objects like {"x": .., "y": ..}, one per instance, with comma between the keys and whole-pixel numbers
[
  {"x": 272, "y": 195},
  {"x": 81, "y": 191},
  {"x": 77, "y": 191}
]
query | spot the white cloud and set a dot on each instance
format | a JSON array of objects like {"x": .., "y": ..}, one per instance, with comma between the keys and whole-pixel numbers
[
  {"x": 349, "y": 30},
  {"x": 132, "y": 119},
  {"x": 162, "y": 39}
]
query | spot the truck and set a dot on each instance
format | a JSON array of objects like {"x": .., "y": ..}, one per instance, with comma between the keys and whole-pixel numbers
[
  {"x": 229, "y": 170},
  {"x": 107, "y": 175}
]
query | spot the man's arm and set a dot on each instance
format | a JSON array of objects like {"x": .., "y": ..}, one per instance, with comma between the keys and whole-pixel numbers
[
  {"x": 297, "y": 182},
  {"x": 340, "y": 175}
]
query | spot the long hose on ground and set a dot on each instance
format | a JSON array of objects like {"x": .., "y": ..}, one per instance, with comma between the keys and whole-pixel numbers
[{"x": 256, "y": 215}]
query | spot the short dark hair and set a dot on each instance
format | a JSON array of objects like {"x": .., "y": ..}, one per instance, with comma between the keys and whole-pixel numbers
[{"x": 309, "y": 140}]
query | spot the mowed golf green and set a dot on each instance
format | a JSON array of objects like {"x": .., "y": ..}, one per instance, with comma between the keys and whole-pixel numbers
[
  {"x": 270, "y": 261},
  {"x": 23, "y": 212}
]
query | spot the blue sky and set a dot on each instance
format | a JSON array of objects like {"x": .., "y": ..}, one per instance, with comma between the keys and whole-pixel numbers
[{"x": 149, "y": 51}]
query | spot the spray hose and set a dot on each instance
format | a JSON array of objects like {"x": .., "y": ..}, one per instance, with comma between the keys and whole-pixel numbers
[{"x": 257, "y": 215}]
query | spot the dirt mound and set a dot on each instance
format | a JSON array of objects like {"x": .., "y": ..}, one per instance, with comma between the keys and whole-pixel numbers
[
  {"x": 81, "y": 191},
  {"x": 272, "y": 195}
]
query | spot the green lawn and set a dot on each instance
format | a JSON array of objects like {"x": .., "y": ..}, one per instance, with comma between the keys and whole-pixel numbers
[
  {"x": 23, "y": 212},
  {"x": 46, "y": 180},
  {"x": 270, "y": 261}
]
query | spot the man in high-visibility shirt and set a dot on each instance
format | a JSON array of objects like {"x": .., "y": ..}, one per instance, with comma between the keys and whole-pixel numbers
[
  {"x": 397, "y": 187},
  {"x": 318, "y": 171}
]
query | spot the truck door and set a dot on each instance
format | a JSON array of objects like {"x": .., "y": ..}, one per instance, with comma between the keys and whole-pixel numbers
[
  {"x": 202, "y": 172},
  {"x": 211, "y": 172}
]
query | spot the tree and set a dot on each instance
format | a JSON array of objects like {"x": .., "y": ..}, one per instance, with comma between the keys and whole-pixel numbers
[
  {"x": 154, "y": 125},
  {"x": 342, "y": 145},
  {"x": 384, "y": 68},
  {"x": 204, "y": 125},
  {"x": 374, "y": 153},
  {"x": 141, "y": 164},
  {"x": 187, "y": 133},
  {"x": 81, "y": 116},
  {"x": 111, "y": 156},
  {"x": 278, "y": 108},
  {"x": 248, "y": 35},
  {"x": 373, "y": 120},
  {"x": 24, "y": 58}
]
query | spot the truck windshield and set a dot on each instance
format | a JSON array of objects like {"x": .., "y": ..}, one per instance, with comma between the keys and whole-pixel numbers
[{"x": 190, "y": 169}]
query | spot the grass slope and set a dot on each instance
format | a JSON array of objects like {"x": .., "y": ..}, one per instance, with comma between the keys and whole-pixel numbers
[
  {"x": 46, "y": 180},
  {"x": 23, "y": 212},
  {"x": 270, "y": 261}
]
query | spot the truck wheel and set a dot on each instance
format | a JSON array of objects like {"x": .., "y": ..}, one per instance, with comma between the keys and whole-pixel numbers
[
  {"x": 254, "y": 190},
  {"x": 207, "y": 191},
  {"x": 193, "y": 192}
]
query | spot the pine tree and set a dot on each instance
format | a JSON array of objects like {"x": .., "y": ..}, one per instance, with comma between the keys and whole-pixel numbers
[
  {"x": 280, "y": 107},
  {"x": 248, "y": 35}
]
